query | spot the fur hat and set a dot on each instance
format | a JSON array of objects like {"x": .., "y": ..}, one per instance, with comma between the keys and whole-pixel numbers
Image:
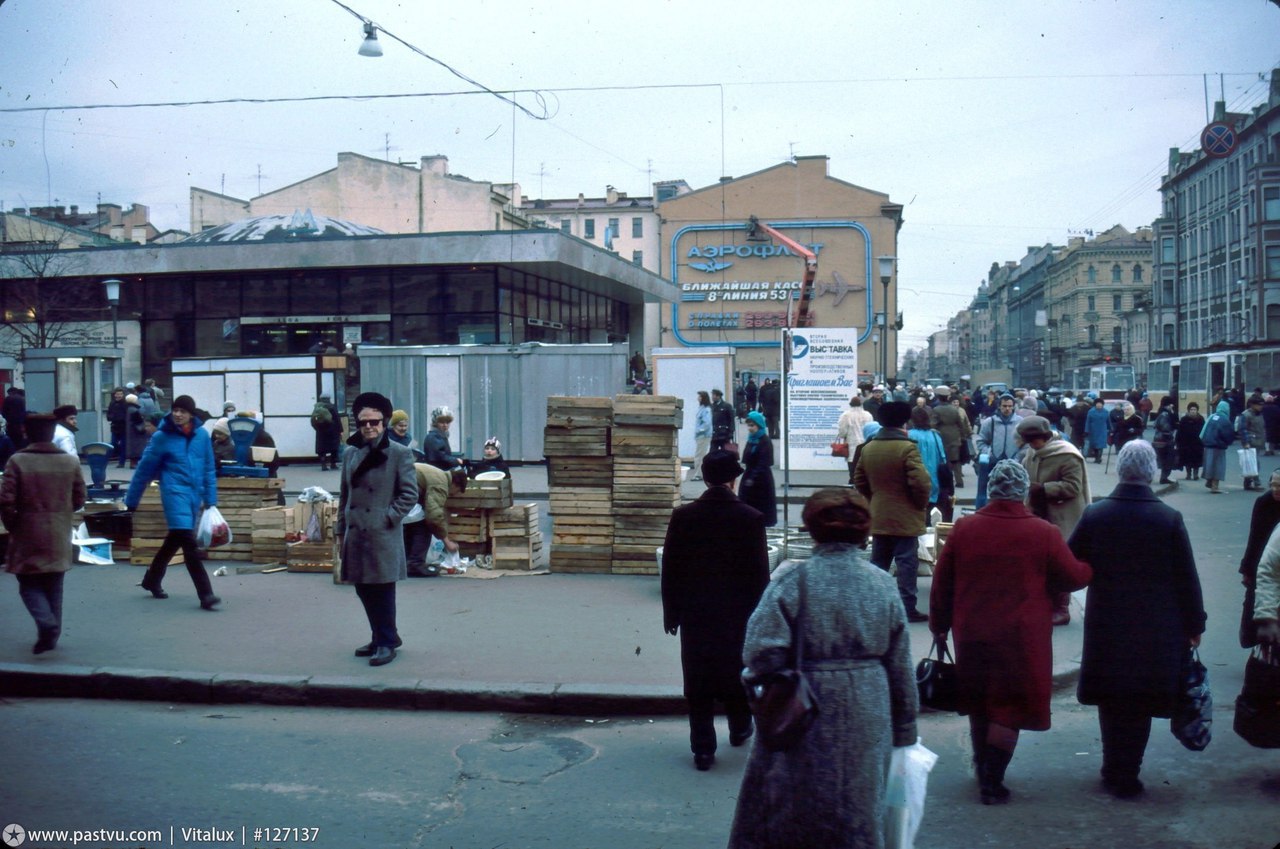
[
  {"x": 64, "y": 411},
  {"x": 131, "y": 398},
  {"x": 720, "y": 466},
  {"x": 373, "y": 401},
  {"x": 894, "y": 414}
]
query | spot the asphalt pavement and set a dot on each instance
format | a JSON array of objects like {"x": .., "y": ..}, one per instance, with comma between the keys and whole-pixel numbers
[{"x": 582, "y": 645}]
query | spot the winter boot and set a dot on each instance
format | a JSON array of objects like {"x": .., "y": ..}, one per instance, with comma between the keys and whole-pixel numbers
[
  {"x": 991, "y": 775},
  {"x": 1213, "y": 486}
]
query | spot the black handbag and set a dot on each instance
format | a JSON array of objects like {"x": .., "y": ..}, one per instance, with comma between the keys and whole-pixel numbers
[
  {"x": 1192, "y": 720},
  {"x": 1257, "y": 719},
  {"x": 783, "y": 704},
  {"x": 936, "y": 679}
]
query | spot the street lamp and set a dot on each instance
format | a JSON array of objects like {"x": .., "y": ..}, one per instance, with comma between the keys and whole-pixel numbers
[
  {"x": 886, "y": 274},
  {"x": 113, "y": 297}
]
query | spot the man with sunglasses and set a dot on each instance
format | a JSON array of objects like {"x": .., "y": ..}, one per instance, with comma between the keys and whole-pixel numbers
[{"x": 379, "y": 488}]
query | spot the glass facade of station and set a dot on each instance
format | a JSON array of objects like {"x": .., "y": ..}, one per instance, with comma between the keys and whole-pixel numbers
[{"x": 248, "y": 313}]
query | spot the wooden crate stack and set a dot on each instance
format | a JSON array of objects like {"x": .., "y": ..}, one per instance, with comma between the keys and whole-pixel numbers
[
  {"x": 646, "y": 478},
  {"x": 580, "y": 483},
  {"x": 271, "y": 525},
  {"x": 517, "y": 539},
  {"x": 321, "y": 555},
  {"x": 470, "y": 525},
  {"x": 238, "y": 499}
]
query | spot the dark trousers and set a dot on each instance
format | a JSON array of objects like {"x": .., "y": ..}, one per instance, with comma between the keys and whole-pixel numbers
[
  {"x": 117, "y": 448},
  {"x": 1125, "y": 732},
  {"x": 416, "y": 542},
  {"x": 42, "y": 594},
  {"x": 885, "y": 550},
  {"x": 185, "y": 539},
  {"x": 702, "y": 720},
  {"x": 379, "y": 602}
]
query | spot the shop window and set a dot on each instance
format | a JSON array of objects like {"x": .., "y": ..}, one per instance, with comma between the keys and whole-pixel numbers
[
  {"x": 365, "y": 294},
  {"x": 314, "y": 294},
  {"x": 410, "y": 290},
  {"x": 217, "y": 297},
  {"x": 263, "y": 296},
  {"x": 169, "y": 296}
]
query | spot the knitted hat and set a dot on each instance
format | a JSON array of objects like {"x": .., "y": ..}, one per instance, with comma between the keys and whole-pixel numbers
[
  {"x": 397, "y": 417},
  {"x": 758, "y": 418},
  {"x": 1008, "y": 482},
  {"x": 492, "y": 442},
  {"x": 185, "y": 402},
  {"x": 220, "y": 426},
  {"x": 1136, "y": 462},
  {"x": 1032, "y": 426}
]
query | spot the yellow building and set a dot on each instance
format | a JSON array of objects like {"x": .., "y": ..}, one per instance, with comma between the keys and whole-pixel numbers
[{"x": 735, "y": 293}]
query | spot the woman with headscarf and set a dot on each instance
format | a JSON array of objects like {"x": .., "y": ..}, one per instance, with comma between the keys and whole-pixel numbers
[
  {"x": 1145, "y": 613},
  {"x": 180, "y": 454},
  {"x": 756, "y": 487},
  {"x": 993, "y": 588},
  {"x": 829, "y": 790},
  {"x": 1130, "y": 426},
  {"x": 849, "y": 429},
  {"x": 1166, "y": 428},
  {"x": 435, "y": 444},
  {"x": 1217, "y": 436}
]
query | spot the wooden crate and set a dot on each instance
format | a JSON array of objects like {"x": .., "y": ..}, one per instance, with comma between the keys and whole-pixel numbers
[
  {"x": 565, "y": 411},
  {"x": 647, "y": 470},
  {"x": 519, "y": 520},
  {"x": 580, "y": 558},
  {"x": 517, "y": 552},
  {"x": 580, "y": 471},
  {"x": 580, "y": 501},
  {"x": 644, "y": 441},
  {"x": 313, "y": 556},
  {"x": 575, "y": 442},
  {"x": 469, "y": 526},
  {"x": 270, "y": 527},
  {"x": 665, "y": 410},
  {"x": 482, "y": 495}
]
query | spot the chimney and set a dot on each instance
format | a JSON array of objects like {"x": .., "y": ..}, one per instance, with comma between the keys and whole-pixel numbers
[
  {"x": 438, "y": 165},
  {"x": 611, "y": 195}
]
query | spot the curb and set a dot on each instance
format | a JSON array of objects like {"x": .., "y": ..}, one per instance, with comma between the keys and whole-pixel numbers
[{"x": 84, "y": 682}]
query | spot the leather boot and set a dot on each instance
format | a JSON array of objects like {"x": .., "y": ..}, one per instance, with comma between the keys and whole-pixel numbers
[{"x": 991, "y": 775}]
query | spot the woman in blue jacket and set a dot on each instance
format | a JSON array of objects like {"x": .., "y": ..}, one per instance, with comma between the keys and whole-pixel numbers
[
  {"x": 180, "y": 454},
  {"x": 1217, "y": 435}
]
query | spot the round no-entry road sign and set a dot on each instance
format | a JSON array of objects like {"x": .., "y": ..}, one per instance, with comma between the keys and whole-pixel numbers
[{"x": 1219, "y": 140}]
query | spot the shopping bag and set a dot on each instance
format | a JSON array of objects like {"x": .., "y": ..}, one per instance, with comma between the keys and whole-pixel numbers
[
  {"x": 936, "y": 679},
  {"x": 213, "y": 530},
  {"x": 1257, "y": 718},
  {"x": 905, "y": 789},
  {"x": 839, "y": 449},
  {"x": 1192, "y": 720},
  {"x": 1248, "y": 462}
]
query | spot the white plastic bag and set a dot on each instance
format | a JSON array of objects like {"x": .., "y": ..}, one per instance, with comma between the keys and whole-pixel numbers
[
  {"x": 213, "y": 530},
  {"x": 435, "y": 552},
  {"x": 1248, "y": 462},
  {"x": 451, "y": 562},
  {"x": 905, "y": 790}
]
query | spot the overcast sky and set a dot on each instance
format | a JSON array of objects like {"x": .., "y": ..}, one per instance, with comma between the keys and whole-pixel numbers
[{"x": 998, "y": 125}]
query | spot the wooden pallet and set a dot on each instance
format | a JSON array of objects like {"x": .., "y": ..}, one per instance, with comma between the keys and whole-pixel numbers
[
  {"x": 482, "y": 495},
  {"x": 579, "y": 471},
  {"x": 564, "y": 411},
  {"x": 644, "y": 441},
  {"x": 575, "y": 442},
  {"x": 665, "y": 410}
]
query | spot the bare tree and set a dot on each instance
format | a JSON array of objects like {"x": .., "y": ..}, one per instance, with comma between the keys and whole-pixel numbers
[{"x": 44, "y": 303}]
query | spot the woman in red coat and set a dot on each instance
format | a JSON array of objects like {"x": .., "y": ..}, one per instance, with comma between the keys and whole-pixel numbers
[{"x": 994, "y": 586}]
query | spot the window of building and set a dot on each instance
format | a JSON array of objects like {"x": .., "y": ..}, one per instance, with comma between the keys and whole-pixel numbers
[
  {"x": 1093, "y": 276},
  {"x": 637, "y": 228},
  {"x": 1271, "y": 203},
  {"x": 637, "y": 257},
  {"x": 1137, "y": 273},
  {"x": 1093, "y": 303},
  {"x": 1116, "y": 335},
  {"x": 1167, "y": 253},
  {"x": 566, "y": 226},
  {"x": 1115, "y": 273},
  {"x": 1093, "y": 334},
  {"x": 588, "y": 228},
  {"x": 613, "y": 228},
  {"x": 1273, "y": 260},
  {"x": 1117, "y": 301}
]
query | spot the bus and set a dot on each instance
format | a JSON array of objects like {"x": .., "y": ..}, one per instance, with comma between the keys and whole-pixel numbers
[
  {"x": 1198, "y": 375},
  {"x": 1109, "y": 381}
]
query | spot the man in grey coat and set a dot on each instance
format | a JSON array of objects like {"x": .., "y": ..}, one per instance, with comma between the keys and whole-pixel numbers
[{"x": 379, "y": 488}]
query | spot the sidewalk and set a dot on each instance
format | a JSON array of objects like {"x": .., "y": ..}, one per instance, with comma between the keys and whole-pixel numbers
[{"x": 587, "y": 645}]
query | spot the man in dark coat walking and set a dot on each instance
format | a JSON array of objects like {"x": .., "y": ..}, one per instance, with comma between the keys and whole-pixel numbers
[
  {"x": 721, "y": 420},
  {"x": 715, "y": 566},
  {"x": 771, "y": 405}
]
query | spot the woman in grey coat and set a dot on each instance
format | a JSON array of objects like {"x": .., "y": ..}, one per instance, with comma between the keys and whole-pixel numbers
[
  {"x": 379, "y": 488},
  {"x": 829, "y": 789}
]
